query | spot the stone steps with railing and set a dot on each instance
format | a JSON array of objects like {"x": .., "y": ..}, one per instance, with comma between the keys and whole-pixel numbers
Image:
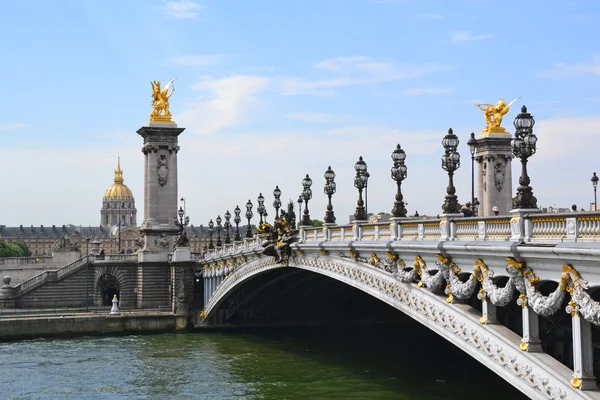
[{"x": 51, "y": 276}]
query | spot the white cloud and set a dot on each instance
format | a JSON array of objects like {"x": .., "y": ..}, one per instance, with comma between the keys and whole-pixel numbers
[
  {"x": 426, "y": 91},
  {"x": 355, "y": 71},
  {"x": 182, "y": 9},
  {"x": 561, "y": 70},
  {"x": 230, "y": 99},
  {"x": 7, "y": 127},
  {"x": 466, "y": 36},
  {"x": 199, "y": 60},
  {"x": 321, "y": 117}
]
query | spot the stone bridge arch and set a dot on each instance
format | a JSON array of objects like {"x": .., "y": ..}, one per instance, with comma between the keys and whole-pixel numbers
[
  {"x": 109, "y": 281},
  {"x": 537, "y": 375}
]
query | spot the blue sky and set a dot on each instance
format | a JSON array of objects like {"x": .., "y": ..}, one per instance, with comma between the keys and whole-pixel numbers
[{"x": 269, "y": 91}]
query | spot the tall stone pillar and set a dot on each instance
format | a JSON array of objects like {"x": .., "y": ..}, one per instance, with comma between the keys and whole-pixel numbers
[
  {"x": 494, "y": 179},
  {"x": 160, "y": 190}
]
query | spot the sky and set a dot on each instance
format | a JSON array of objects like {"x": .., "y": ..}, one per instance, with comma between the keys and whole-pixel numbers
[{"x": 270, "y": 91}]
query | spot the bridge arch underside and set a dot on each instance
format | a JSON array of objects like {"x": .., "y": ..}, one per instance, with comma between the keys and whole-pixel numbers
[{"x": 300, "y": 294}]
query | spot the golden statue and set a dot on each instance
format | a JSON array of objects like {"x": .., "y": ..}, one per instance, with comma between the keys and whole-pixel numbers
[
  {"x": 160, "y": 102},
  {"x": 493, "y": 115}
]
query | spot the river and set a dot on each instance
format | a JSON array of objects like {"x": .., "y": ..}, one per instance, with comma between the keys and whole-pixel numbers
[{"x": 362, "y": 363}]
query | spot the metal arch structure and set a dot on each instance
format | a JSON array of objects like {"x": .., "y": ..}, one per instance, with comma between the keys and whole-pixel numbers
[{"x": 537, "y": 375}]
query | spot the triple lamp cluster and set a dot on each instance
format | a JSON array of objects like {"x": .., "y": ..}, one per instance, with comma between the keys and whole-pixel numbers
[{"x": 523, "y": 146}]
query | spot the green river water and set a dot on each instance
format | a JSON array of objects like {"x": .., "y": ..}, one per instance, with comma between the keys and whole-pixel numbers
[{"x": 362, "y": 363}]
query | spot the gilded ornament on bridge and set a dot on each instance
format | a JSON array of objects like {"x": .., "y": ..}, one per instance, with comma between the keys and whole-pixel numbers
[
  {"x": 160, "y": 102},
  {"x": 493, "y": 115}
]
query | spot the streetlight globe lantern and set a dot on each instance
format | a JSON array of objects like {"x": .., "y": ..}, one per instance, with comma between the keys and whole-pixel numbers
[
  {"x": 219, "y": 220},
  {"x": 227, "y": 215},
  {"x": 249, "y": 206},
  {"x": 595, "y": 180},
  {"x": 307, "y": 182},
  {"x": 211, "y": 225},
  {"x": 277, "y": 192},
  {"x": 329, "y": 174},
  {"x": 398, "y": 154},
  {"x": 524, "y": 122},
  {"x": 450, "y": 141},
  {"x": 260, "y": 198},
  {"x": 360, "y": 166},
  {"x": 180, "y": 212},
  {"x": 472, "y": 143}
]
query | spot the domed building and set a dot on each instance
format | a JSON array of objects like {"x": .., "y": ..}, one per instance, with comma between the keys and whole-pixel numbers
[{"x": 118, "y": 204}]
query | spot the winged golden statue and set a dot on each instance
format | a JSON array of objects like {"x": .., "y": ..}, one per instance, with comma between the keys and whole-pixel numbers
[
  {"x": 160, "y": 101},
  {"x": 493, "y": 115}
]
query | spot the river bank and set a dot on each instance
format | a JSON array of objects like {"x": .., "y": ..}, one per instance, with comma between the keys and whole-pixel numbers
[{"x": 26, "y": 327}]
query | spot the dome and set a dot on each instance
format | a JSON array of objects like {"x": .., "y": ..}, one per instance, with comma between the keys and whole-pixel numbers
[{"x": 118, "y": 191}]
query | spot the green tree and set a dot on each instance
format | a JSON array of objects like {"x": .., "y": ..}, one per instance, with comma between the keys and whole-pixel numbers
[
  {"x": 15, "y": 248},
  {"x": 316, "y": 222}
]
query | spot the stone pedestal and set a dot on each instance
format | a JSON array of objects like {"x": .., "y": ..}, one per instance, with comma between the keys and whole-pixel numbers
[
  {"x": 160, "y": 190},
  {"x": 182, "y": 254},
  {"x": 494, "y": 178}
]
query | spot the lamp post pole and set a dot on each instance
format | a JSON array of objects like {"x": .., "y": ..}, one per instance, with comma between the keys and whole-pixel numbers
[
  {"x": 227, "y": 226},
  {"x": 329, "y": 191},
  {"x": 524, "y": 146},
  {"x": 237, "y": 220},
  {"x": 219, "y": 229},
  {"x": 277, "y": 201},
  {"x": 360, "y": 181},
  {"x": 249, "y": 216},
  {"x": 87, "y": 275},
  {"x": 300, "y": 209},
  {"x": 211, "y": 230},
  {"x": 450, "y": 163},
  {"x": 306, "y": 195},
  {"x": 595, "y": 184},
  {"x": 260, "y": 208},
  {"x": 399, "y": 174},
  {"x": 472, "y": 148}
]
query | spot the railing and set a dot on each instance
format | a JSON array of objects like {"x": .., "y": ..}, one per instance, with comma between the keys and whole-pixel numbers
[
  {"x": 119, "y": 257},
  {"x": 26, "y": 260},
  {"x": 526, "y": 227},
  {"x": 51, "y": 275}
]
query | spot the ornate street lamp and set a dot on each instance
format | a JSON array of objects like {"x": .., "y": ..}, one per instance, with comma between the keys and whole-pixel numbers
[
  {"x": 299, "y": 209},
  {"x": 277, "y": 201},
  {"x": 360, "y": 181},
  {"x": 450, "y": 163},
  {"x": 260, "y": 208},
  {"x": 182, "y": 239},
  {"x": 306, "y": 195},
  {"x": 227, "y": 226},
  {"x": 211, "y": 230},
  {"x": 472, "y": 148},
  {"x": 219, "y": 229},
  {"x": 595, "y": 184},
  {"x": 329, "y": 191},
  {"x": 524, "y": 146},
  {"x": 249, "y": 216},
  {"x": 399, "y": 174},
  {"x": 237, "y": 220}
]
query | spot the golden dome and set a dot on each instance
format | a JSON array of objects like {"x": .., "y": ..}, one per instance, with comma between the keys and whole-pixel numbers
[{"x": 118, "y": 191}]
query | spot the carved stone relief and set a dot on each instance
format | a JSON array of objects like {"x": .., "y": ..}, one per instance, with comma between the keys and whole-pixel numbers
[
  {"x": 162, "y": 169},
  {"x": 499, "y": 172}
]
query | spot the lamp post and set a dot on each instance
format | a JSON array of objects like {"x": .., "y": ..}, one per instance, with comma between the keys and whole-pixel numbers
[
  {"x": 450, "y": 163},
  {"x": 472, "y": 148},
  {"x": 299, "y": 209},
  {"x": 227, "y": 226},
  {"x": 237, "y": 220},
  {"x": 211, "y": 230},
  {"x": 184, "y": 207},
  {"x": 595, "y": 184},
  {"x": 249, "y": 216},
  {"x": 260, "y": 208},
  {"x": 524, "y": 146},
  {"x": 329, "y": 191},
  {"x": 87, "y": 275},
  {"x": 366, "y": 179},
  {"x": 360, "y": 181},
  {"x": 398, "y": 174},
  {"x": 277, "y": 201},
  {"x": 306, "y": 195},
  {"x": 219, "y": 229}
]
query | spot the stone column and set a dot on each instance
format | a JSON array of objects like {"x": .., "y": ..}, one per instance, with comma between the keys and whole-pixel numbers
[
  {"x": 494, "y": 177},
  {"x": 160, "y": 190}
]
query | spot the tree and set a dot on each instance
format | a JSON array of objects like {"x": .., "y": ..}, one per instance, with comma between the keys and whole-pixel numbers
[
  {"x": 15, "y": 248},
  {"x": 316, "y": 223}
]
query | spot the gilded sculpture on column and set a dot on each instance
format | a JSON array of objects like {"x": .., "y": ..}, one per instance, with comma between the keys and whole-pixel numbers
[
  {"x": 160, "y": 101},
  {"x": 493, "y": 115}
]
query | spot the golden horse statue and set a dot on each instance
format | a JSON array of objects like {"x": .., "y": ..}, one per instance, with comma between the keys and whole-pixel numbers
[
  {"x": 160, "y": 101},
  {"x": 493, "y": 115}
]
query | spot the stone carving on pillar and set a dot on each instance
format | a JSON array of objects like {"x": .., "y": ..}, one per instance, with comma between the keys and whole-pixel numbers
[
  {"x": 162, "y": 241},
  {"x": 499, "y": 175},
  {"x": 162, "y": 169},
  {"x": 484, "y": 174}
]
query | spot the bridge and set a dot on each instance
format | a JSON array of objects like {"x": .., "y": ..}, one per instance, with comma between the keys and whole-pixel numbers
[{"x": 516, "y": 291}]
